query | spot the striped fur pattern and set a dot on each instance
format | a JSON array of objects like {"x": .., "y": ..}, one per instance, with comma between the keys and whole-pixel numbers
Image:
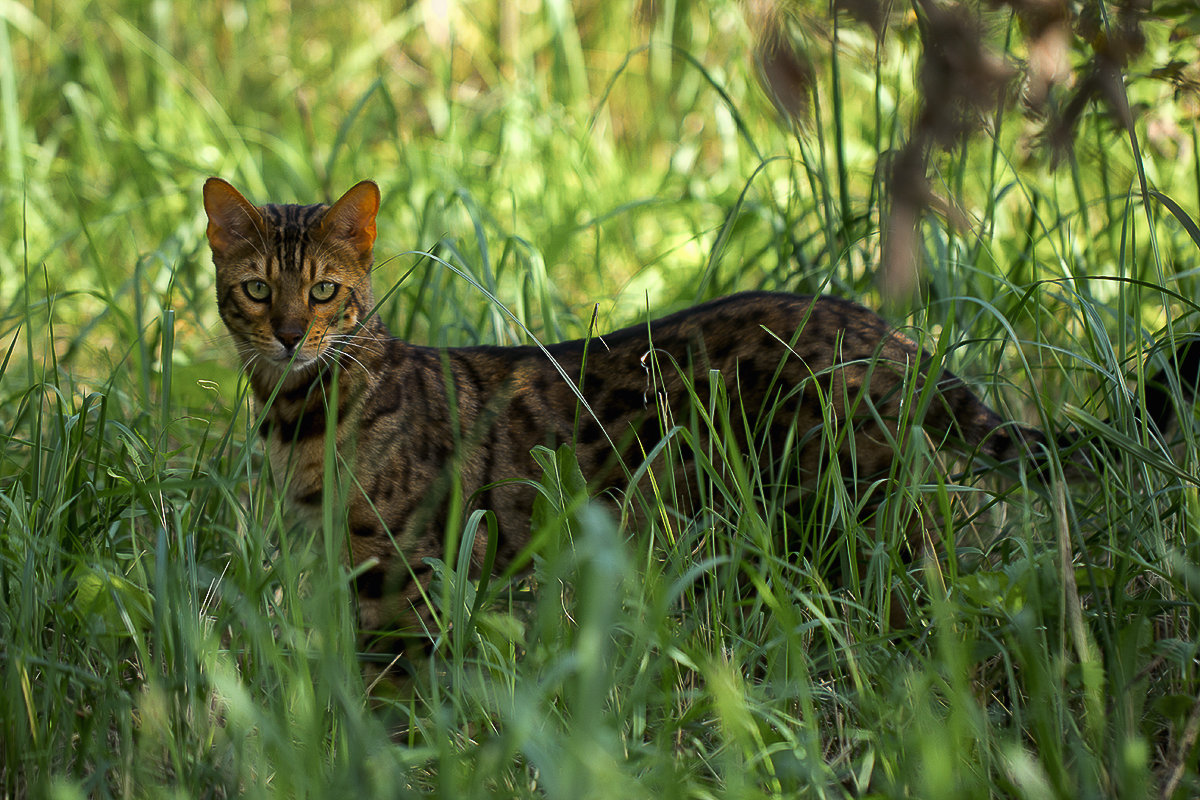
[{"x": 294, "y": 290}]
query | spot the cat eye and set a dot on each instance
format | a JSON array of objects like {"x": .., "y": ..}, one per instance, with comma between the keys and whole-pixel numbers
[
  {"x": 323, "y": 291},
  {"x": 257, "y": 290}
]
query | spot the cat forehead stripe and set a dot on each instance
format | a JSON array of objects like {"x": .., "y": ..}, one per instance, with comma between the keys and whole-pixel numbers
[{"x": 292, "y": 224}]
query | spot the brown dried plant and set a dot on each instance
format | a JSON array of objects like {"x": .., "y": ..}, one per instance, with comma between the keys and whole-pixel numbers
[{"x": 964, "y": 79}]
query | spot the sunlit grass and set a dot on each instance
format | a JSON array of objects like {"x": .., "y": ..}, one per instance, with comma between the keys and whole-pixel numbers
[{"x": 165, "y": 629}]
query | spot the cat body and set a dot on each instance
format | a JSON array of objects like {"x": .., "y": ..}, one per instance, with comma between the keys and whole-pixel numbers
[{"x": 825, "y": 375}]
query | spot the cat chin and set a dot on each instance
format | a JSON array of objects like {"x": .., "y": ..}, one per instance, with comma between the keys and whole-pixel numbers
[
  {"x": 299, "y": 367},
  {"x": 286, "y": 369}
]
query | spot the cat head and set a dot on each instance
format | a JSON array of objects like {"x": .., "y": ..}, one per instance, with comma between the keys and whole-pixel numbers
[{"x": 293, "y": 282}]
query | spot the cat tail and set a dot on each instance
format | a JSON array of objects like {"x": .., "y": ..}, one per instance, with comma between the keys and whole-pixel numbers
[
  {"x": 1183, "y": 368},
  {"x": 1011, "y": 441}
]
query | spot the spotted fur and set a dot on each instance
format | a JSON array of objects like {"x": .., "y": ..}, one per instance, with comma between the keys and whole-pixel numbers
[{"x": 825, "y": 374}]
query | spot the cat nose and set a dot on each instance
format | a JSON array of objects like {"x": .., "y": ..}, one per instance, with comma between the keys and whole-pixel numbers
[{"x": 289, "y": 336}]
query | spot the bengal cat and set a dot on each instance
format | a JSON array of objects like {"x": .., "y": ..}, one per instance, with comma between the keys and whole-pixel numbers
[{"x": 294, "y": 289}]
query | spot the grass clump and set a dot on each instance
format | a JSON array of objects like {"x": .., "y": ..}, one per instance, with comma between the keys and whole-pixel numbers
[{"x": 166, "y": 630}]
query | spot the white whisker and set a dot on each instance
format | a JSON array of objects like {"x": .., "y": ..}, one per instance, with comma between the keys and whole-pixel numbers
[{"x": 356, "y": 361}]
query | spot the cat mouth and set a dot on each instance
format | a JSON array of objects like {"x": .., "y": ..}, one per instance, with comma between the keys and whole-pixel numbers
[{"x": 294, "y": 361}]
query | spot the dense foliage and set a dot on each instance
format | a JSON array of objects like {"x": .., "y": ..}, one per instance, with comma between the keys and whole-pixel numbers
[{"x": 165, "y": 631}]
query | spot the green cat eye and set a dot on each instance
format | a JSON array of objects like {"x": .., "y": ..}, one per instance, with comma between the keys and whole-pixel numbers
[
  {"x": 257, "y": 290},
  {"x": 323, "y": 291}
]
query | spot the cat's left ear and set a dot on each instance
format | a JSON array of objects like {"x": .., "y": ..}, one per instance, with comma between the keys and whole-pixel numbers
[{"x": 352, "y": 217}]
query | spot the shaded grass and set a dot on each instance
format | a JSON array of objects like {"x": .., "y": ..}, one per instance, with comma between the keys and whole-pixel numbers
[{"x": 165, "y": 629}]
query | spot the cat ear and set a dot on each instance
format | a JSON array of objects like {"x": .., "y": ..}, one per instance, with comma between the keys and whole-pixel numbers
[
  {"x": 352, "y": 217},
  {"x": 231, "y": 218}
]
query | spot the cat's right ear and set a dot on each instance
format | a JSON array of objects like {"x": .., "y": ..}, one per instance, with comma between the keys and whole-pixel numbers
[{"x": 232, "y": 220}]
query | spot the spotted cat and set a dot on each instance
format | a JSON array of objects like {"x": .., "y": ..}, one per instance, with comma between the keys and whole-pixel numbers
[{"x": 822, "y": 379}]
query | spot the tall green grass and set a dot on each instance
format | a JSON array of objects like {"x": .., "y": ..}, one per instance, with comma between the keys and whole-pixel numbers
[{"x": 165, "y": 630}]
